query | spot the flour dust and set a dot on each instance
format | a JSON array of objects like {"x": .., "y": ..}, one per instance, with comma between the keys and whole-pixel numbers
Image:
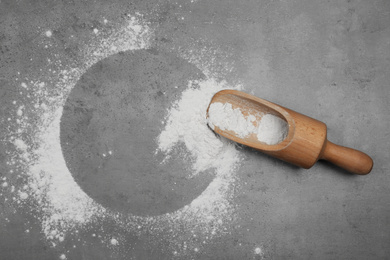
[{"x": 49, "y": 190}]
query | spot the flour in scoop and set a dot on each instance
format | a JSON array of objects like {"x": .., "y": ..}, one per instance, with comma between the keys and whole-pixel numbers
[
  {"x": 225, "y": 117},
  {"x": 272, "y": 129},
  {"x": 269, "y": 129}
]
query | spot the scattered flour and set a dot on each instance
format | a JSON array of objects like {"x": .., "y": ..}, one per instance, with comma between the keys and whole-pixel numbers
[
  {"x": 269, "y": 129},
  {"x": 63, "y": 208},
  {"x": 61, "y": 204},
  {"x": 187, "y": 123},
  {"x": 258, "y": 251},
  {"x": 21, "y": 145},
  {"x": 205, "y": 217},
  {"x": 20, "y": 111},
  {"x": 114, "y": 242},
  {"x": 23, "y": 195}
]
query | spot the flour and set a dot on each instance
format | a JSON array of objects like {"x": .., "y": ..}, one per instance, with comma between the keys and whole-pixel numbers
[
  {"x": 63, "y": 208},
  {"x": 269, "y": 129},
  {"x": 21, "y": 145},
  {"x": 20, "y": 111},
  {"x": 258, "y": 251},
  {"x": 48, "y": 33},
  {"x": 114, "y": 242},
  {"x": 61, "y": 205},
  {"x": 225, "y": 117},
  {"x": 23, "y": 195},
  {"x": 187, "y": 123},
  {"x": 272, "y": 129}
]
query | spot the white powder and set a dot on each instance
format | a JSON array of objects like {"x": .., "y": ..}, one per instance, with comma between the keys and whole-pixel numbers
[
  {"x": 258, "y": 251},
  {"x": 20, "y": 111},
  {"x": 272, "y": 129},
  {"x": 187, "y": 123},
  {"x": 269, "y": 129},
  {"x": 23, "y": 195},
  {"x": 19, "y": 144},
  {"x": 225, "y": 117},
  {"x": 114, "y": 242},
  {"x": 64, "y": 208}
]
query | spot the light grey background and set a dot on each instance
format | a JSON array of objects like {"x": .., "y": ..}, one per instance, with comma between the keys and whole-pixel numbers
[{"x": 327, "y": 59}]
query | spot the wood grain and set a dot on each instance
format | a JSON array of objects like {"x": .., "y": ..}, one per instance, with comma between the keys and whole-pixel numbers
[{"x": 306, "y": 141}]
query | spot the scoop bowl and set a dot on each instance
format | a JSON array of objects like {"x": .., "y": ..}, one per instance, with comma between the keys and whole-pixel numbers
[{"x": 306, "y": 141}]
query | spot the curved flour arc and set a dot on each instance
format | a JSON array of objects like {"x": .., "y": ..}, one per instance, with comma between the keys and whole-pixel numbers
[
  {"x": 109, "y": 125},
  {"x": 66, "y": 206}
]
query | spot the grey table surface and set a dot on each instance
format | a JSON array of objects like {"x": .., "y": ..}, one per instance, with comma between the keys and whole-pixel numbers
[{"x": 329, "y": 60}]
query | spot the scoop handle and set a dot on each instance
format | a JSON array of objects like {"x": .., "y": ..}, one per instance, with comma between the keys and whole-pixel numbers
[{"x": 349, "y": 159}]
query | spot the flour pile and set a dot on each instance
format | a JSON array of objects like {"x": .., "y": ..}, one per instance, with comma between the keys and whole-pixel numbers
[
  {"x": 187, "y": 123},
  {"x": 225, "y": 117},
  {"x": 269, "y": 129}
]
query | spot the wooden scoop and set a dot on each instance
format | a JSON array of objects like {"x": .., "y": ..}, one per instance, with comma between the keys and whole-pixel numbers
[{"x": 306, "y": 141}]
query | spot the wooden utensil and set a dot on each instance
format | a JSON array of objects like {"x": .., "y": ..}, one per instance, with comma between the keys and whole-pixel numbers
[{"x": 306, "y": 141}]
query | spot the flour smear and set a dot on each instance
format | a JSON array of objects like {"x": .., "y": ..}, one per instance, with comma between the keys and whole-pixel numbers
[{"x": 51, "y": 193}]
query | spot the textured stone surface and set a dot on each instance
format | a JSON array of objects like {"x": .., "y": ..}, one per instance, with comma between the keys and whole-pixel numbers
[
  {"x": 109, "y": 127},
  {"x": 327, "y": 59}
]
